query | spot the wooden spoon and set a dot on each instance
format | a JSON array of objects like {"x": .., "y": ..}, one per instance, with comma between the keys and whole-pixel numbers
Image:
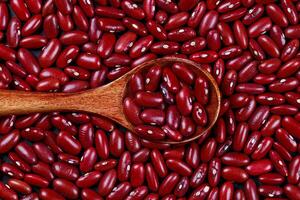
[{"x": 106, "y": 100}]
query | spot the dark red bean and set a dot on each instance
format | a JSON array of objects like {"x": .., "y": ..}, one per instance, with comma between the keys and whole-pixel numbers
[
  {"x": 87, "y": 194},
  {"x": 11, "y": 170},
  {"x": 107, "y": 182},
  {"x": 89, "y": 179},
  {"x": 7, "y": 193},
  {"x": 214, "y": 172},
  {"x": 46, "y": 193},
  {"x": 65, "y": 188},
  {"x": 65, "y": 170},
  {"x": 292, "y": 191},
  {"x": 36, "y": 180},
  {"x": 199, "y": 175},
  {"x": 293, "y": 171},
  {"x": 4, "y": 16},
  {"x": 116, "y": 143}
]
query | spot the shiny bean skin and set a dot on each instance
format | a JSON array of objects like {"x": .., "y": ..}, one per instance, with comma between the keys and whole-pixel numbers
[
  {"x": 65, "y": 188},
  {"x": 251, "y": 49},
  {"x": 107, "y": 182}
]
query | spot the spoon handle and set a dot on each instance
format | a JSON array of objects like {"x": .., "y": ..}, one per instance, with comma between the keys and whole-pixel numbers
[{"x": 20, "y": 102}]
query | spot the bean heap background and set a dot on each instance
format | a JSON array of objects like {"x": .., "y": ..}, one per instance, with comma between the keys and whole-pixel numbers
[{"x": 250, "y": 47}]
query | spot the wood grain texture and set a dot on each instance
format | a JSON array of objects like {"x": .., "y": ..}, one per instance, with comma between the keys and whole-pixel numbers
[{"x": 106, "y": 100}]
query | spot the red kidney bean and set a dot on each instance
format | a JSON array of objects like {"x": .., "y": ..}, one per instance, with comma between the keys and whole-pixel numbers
[
  {"x": 158, "y": 163},
  {"x": 271, "y": 178},
  {"x": 19, "y": 186},
  {"x": 11, "y": 170},
  {"x": 89, "y": 179},
  {"x": 290, "y": 11},
  {"x": 289, "y": 68},
  {"x": 291, "y": 125},
  {"x": 135, "y": 26},
  {"x": 250, "y": 190},
  {"x": 291, "y": 191},
  {"x": 277, "y": 15},
  {"x": 36, "y": 180},
  {"x": 235, "y": 159},
  {"x": 43, "y": 153},
  {"x": 149, "y": 9},
  {"x": 50, "y": 53},
  {"x": 278, "y": 36},
  {"x": 90, "y": 194},
  {"x": 103, "y": 123},
  {"x": 256, "y": 50},
  {"x": 282, "y": 151},
  {"x": 65, "y": 188},
  {"x": 107, "y": 182},
  {"x": 105, "y": 165},
  {"x": 226, "y": 191},
  {"x": 253, "y": 14},
  {"x": 20, "y": 9},
  {"x": 31, "y": 25},
  {"x": 209, "y": 21},
  {"x": 80, "y": 19},
  {"x": 204, "y": 56},
  {"x": 68, "y": 143},
  {"x": 8, "y": 141},
  {"x": 142, "y": 155},
  {"x": 233, "y": 15},
  {"x": 262, "y": 148},
  {"x": 179, "y": 167},
  {"x": 225, "y": 33},
  {"x": 278, "y": 163},
  {"x": 290, "y": 50},
  {"x": 73, "y": 160},
  {"x": 259, "y": 167},
  {"x": 132, "y": 10},
  {"x": 43, "y": 170},
  {"x": 200, "y": 192},
  {"x": 73, "y": 38},
  {"x": 256, "y": 62},
  {"x": 116, "y": 143},
  {"x": 137, "y": 175},
  {"x": 7, "y": 53},
  {"x": 106, "y": 11},
  {"x": 25, "y": 151},
  {"x": 65, "y": 22},
  {"x": 214, "y": 172},
  {"x": 18, "y": 162},
  {"x": 46, "y": 193},
  {"x": 7, "y": 193},
  {"x": 268, "y": 45},
  {"x": 65, "y": 170},
  {"x": 151, "y": 177},
  {"x": 240, "y": 136},
  {"x": 88, "y": 160},
  {"x": 168, "y": 184},
  {"x": 284, "y": 138},
  {"x": 293, "y": 171},
  {"x": 34, "y": 6},
  {"x": 259, "y": 27},
  {"x": 4, "y": 16},
  {"x": 13, "y": 34},
  {"x": 231, "y": 124},
  {"x": 271, "y": 191},
  {"x": 120, "y": 191},
  {"x": 199, "y": 175},
  {"x": 192, "y": 155}
]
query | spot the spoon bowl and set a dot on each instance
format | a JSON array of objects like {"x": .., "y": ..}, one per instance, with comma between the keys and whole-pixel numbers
[{"x": 106, "y": 100}]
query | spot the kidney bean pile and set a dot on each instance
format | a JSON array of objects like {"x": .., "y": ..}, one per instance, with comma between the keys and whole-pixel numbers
[
  {"x": 160, "y": 102},
  {"x": 251, "y": 48}
]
